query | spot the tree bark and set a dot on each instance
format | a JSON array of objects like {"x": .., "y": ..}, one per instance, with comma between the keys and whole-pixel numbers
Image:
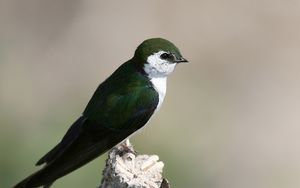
[{"x": 125, "y": 169}]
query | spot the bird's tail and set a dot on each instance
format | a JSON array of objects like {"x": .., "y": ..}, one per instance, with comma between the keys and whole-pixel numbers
[{"x": 35, "y": 180}]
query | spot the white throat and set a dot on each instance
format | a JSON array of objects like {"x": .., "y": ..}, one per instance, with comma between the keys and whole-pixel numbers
[
  {"x": 157, "y": 67},
  {"x": 157, "y": 70}
]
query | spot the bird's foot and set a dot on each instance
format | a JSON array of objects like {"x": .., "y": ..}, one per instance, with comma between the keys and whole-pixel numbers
[{"x": 126, "y": 147}]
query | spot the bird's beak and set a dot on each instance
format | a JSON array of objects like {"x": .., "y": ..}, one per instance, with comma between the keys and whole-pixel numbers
[{"x": 181, "y": 60}]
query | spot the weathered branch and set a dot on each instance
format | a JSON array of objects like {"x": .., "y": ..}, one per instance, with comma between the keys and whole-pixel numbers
[{"x": 125, "y": 169}]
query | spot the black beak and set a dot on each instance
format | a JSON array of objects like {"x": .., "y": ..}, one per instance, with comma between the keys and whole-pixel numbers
[{"x": 181, "y": 60}]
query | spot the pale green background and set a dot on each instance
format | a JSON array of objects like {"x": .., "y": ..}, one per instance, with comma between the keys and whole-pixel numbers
[{"x": 230, "y": 118}]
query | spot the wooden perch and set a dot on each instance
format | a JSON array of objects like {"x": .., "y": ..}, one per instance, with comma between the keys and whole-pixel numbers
[{"x": 125, "y": 169}]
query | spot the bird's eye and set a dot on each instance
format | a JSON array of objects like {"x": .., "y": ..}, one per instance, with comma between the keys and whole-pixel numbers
[{"x": 165, "y": 56}]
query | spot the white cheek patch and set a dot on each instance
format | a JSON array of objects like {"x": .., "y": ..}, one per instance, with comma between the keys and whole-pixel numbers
[
  {"x": 157, "y": 67},
  {"x": 158, "y": 70}
]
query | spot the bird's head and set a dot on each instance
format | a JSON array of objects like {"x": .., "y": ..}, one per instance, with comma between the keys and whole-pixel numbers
[{"x": 158, "y": 57}]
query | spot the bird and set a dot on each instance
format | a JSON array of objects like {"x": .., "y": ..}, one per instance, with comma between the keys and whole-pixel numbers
[{"x": 121, "y": 105}]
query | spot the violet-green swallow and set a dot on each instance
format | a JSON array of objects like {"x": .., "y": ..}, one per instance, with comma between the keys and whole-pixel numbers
[{"x": 121, "y": 105}]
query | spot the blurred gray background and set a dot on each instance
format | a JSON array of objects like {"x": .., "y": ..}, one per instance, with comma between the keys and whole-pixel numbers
[{"x": 230, "y": 118}]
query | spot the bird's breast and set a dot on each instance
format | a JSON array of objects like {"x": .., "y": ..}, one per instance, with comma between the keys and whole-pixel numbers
[{"x": 160, "y": 85}]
